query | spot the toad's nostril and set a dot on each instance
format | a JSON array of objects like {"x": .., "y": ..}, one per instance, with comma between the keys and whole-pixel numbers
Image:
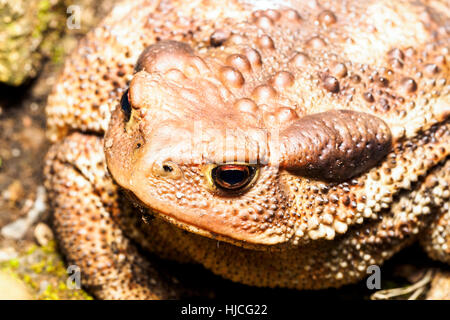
[{"x": 167, "y": 169}]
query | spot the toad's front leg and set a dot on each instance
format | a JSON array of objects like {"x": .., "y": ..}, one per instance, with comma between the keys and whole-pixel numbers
[{"x": 84, "y": 199}]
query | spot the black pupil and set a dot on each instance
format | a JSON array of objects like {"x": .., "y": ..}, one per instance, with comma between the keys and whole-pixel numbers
[
  {"x": 232, "y": 177},
  {"x": 125, "y": 104}
]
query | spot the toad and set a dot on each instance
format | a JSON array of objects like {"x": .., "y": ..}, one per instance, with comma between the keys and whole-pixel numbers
[{"x": 277, "y": 143}]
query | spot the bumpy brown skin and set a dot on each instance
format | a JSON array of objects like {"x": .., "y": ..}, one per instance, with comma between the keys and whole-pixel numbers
[{"x": 342, "y": 109}]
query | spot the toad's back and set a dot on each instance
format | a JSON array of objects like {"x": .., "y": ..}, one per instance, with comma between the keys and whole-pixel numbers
[{"x": 295, "y": 58}]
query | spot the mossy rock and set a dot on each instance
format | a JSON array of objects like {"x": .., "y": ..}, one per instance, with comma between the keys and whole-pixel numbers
[
  {"x": 43, "y": 273},
  {"x": 32, "y": 31},
  {"x": 26, "y": 27}
]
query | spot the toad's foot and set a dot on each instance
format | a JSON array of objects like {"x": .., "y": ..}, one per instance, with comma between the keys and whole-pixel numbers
[{"x": 436, "y": 240}]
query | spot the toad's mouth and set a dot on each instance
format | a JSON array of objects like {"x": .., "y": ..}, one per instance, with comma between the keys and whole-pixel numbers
[{"x": 204, "y": 225}]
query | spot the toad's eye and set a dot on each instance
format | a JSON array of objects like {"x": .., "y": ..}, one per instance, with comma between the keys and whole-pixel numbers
[
  {"x": 233, "y": 176},
  {"x": 125, "y": 105}
]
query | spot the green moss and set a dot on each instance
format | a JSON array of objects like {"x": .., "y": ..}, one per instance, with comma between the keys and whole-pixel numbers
[
  {"x": 36, "y": 266},
  {"x": 14, "y": 263},
  {"x": 32, "y": 29},
  {"x": 29, "y": 281},
  {"x": 50, "y": 247},
  {"x": 31, "y": 249},
  {"x": 57, "y": 57},
  {"x": 44, "y": 6},
  {"x": 49, "y": 293},
  {"x": 62, "y": 286}
]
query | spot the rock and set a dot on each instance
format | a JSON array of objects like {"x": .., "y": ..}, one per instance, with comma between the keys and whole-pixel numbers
[
  {"x": 26, "y": 26},
  {"x": 14, "y": 191},
  {"x": 12, "y": 289},
  {"x": 440, "y": 286},
  {"x": 17, "y": 229},
  {"x": 7, "y": 253},
  {"x": 43, "y": 273},
  {"x": 39, "y": 205},
  {"x": 31, "y": 30},
  {"x": 43, "y": 234}
]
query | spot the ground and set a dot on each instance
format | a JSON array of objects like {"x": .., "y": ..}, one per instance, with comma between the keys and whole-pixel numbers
[{"x": 30, "y": 265}]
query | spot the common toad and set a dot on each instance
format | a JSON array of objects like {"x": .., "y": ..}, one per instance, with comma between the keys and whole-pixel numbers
[{"x": 276, "y": 143}]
